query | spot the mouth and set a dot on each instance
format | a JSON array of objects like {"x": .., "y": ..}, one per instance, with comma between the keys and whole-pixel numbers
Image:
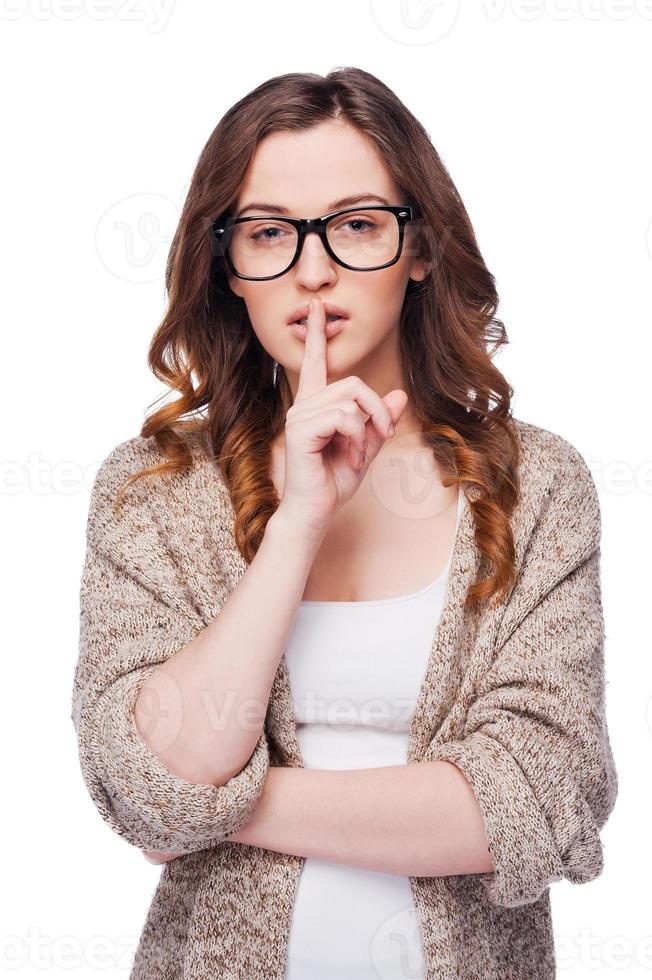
[
  {"x": 333, "y": 326},
  {"x": 335, "y": 322}
]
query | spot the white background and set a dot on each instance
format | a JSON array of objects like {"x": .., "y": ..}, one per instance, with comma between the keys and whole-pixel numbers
[{"x": 541, "y": 112}]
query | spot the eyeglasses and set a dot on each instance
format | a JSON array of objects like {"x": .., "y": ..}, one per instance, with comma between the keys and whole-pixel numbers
[{"x": 259, "y": 247}]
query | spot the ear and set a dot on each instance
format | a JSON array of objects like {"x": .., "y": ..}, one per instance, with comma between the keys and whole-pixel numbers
[
  {"x": 420, "y": 265},
  {"x": 234, "y": 284},
  {"x": 419, "y": 270}
]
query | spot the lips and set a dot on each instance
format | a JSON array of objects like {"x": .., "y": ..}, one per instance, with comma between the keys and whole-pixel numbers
[
  {"x": 333, "y": 327},
  {"x": 331, "y": 310}
]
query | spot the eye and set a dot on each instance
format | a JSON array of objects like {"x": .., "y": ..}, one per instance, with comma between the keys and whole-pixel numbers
[
  {"x": 361, "y": 221},
  {"x": 262, "y": 234},
  {"x": 355, "y": 227}
]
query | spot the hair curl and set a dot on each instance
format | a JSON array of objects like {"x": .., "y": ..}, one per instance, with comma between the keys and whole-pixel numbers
[{"x": 206, "y": 349}]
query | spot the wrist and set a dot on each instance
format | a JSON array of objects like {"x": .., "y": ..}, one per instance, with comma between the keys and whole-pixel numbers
[
  {"x": 253, "y": 831},
  {"x": 290, "y": 530}
]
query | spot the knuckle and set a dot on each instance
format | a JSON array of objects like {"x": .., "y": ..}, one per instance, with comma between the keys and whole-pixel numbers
[{"x": 343, "y": 418}]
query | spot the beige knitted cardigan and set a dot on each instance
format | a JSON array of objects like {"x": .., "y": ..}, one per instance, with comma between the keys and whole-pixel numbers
[{"x": 514, "y": 696}]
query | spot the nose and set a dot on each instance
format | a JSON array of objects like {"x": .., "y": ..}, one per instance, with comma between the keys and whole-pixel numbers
[{"x": 314, "y": 267}]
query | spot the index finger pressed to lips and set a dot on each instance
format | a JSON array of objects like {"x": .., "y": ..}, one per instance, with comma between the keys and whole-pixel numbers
[{"x": 313, "y": 374}]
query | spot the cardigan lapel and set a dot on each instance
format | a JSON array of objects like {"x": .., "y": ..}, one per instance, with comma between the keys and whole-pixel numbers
[
  {"x": 453, "y": 633},
  {"x": 466, "y": 641}
]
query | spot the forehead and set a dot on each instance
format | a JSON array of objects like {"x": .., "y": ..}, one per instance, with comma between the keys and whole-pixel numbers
[{"x": 304, "y": 172}]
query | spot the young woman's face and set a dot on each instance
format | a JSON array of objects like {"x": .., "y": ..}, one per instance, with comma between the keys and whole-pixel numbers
[{"x": 307, "y": 173}]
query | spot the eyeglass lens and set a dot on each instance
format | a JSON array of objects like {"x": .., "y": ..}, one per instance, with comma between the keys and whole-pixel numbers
[{"x": 267, "y": 246}]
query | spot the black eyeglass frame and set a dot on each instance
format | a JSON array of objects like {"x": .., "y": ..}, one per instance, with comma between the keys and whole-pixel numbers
[{"x": 220, "y": 232}]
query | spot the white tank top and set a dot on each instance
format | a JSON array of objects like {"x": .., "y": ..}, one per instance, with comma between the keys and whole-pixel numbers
[{"x": 355, "y": 671}]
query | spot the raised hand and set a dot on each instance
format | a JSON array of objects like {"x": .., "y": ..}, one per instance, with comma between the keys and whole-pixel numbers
[{"x": 328, "y": 443}]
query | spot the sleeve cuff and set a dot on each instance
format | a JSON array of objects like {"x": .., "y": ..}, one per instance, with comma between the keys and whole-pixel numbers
[
  {"x": 521, "y": 847},
  {"x": 151, "y": 806}
]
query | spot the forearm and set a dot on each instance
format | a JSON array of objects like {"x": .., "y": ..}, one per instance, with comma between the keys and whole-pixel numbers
[
  {"x": 418, "y": 819},
  {"x": 202, "y": 711}
]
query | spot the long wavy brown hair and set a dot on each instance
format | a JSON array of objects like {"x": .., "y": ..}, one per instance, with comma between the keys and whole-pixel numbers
[{"x": 237, "y": 395}]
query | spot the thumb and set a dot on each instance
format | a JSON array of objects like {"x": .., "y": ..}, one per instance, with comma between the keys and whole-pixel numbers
[{"x": 396, "y": 400}]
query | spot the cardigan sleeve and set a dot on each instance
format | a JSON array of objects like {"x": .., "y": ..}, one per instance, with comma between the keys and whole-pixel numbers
[
  {"x": 127, "y": 627},
  {"x": 535, "y": 747}
]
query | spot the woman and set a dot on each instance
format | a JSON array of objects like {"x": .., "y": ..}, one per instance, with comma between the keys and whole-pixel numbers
[{"x": 341, "y": 512}]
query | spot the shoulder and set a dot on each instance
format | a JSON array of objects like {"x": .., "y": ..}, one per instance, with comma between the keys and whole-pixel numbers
[
  {"x": 556, "y": 522},
  {"x": 545, "y": 452},
  {"x": 554, "y": 474},
  {"x": 193, "y": 493},
  {"x": 164, "y": 530},
  {"x": 125, "y": 459},
  {"x": 139, "y": 453}
]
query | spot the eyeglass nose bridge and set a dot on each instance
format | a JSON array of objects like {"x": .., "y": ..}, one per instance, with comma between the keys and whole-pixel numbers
[{"x": 317, "y": 226}]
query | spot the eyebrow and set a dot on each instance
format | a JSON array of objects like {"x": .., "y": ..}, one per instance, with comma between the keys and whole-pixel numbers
[{"x": 344, "y": 202}]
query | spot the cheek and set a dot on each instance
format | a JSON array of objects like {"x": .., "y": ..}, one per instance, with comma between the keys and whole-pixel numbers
[
  {"x": 265, "y": 315},
  {"x": 382, "y": 303},
  {"x": 368, "y": 330}
]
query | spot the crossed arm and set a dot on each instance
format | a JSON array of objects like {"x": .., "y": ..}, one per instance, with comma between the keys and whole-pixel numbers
[{"x": 419, "y": 819}]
